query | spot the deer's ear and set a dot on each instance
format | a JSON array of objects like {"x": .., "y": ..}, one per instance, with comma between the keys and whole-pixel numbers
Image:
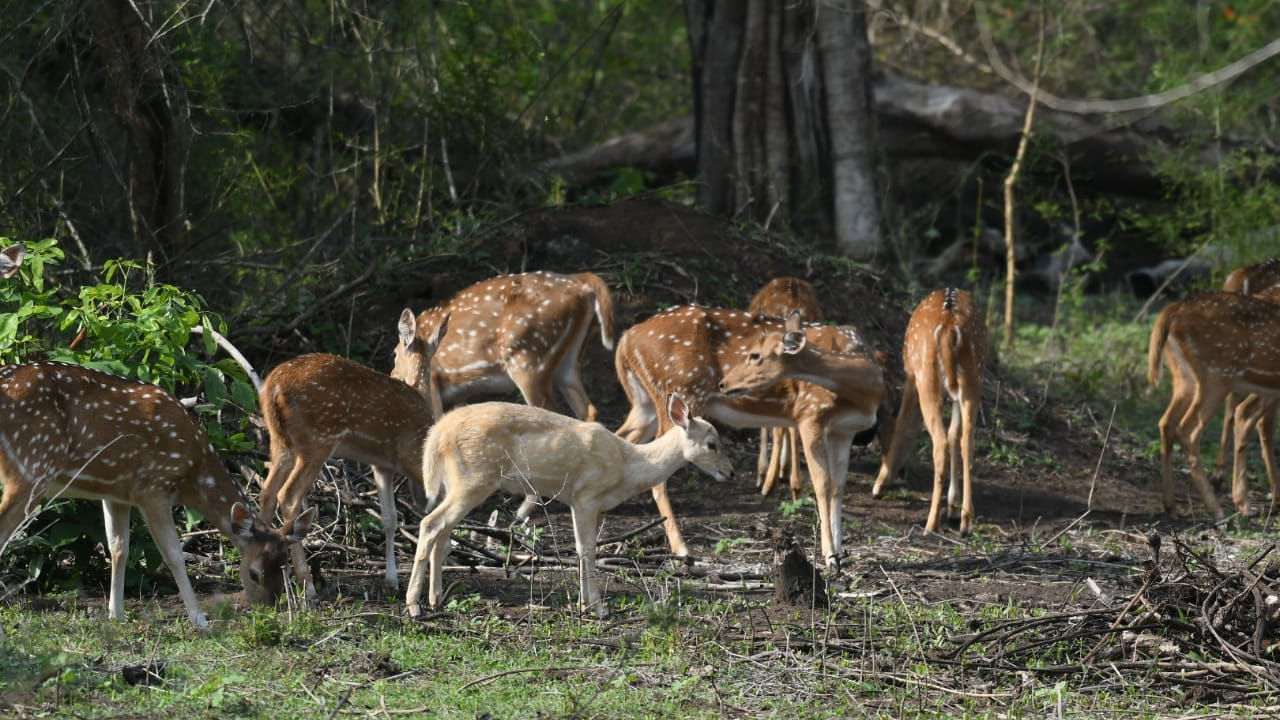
[
  {"x": 792, "y": 323},
  {"x": 793, "y": 341},
  {"x": 242, "y": 520},
  {"x": 438, "y": 335},
  {"x": 678, "y": 411},
  {"x": 301, "y": 526},
  {"x": 11, "y": 259},
  {"x": 408, "y": 327}
]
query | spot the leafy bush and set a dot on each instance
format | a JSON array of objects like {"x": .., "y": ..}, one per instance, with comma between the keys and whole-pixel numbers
[{"x": 128, "y": 325}]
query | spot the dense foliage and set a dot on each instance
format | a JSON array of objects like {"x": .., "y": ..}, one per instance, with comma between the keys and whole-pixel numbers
[{"x": 310, "y": 147}]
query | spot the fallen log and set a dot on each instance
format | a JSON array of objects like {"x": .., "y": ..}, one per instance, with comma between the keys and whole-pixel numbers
[{"x": 916, "y": 120}]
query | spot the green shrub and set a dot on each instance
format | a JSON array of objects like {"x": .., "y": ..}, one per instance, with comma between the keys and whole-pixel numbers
[{"x": 129, "y": 325}]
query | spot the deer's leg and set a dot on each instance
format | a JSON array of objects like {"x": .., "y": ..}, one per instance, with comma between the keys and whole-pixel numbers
[
  {"x": 1228, "y": 415},
  {"x": 953, "y": 458},
  {"x": 1179, "y": 401},
  {"x": 641, "y": 424},
  {"x": 423, "y": 557},
  {"x": 931, "y": 410},
  {"x": 291, "y": 497},
  {"x": 385, "y": 480},
  {"x": 669, "y": 524},
  {"x": 433, "y": 545},
  {"x": 838, "y": 448},
  {"x": 815, "y": 454},
  {"x": 417, "y": 494},
  {"x": 532, "y": 380},
  {"x": 18, "y": 501},
  {"x": 527, "y": 506},
  {"x": 904, "y": 435},
  {"x": 569, "y": 380},
  {"x": 1206, "y": 400},
  {"x": 764, "y": 459},
  {"x": 283, "y": 465},
  {"x": 1266, "y": 432},
  {"x": 1246, "y": 414},
  {"x": 886, "y": 428},
  {"x": 586, "y": 524},
  {"x": 159, "y": 517},
  {"x": 772, "y": 439},
  {"x": 115, "y": 516},
  {"x": 969, "y": 408},
  {"x": 790, "y": 440}
]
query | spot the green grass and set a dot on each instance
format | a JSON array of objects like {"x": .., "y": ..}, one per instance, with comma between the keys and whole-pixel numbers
[{"x": 698, "y": 657}]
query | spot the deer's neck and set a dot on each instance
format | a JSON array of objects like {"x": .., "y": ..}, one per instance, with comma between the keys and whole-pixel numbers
[
  {"x": 844, "y": 374},
  {"x": 213, "y": 494},
  {"x": 652, "y": 463}
]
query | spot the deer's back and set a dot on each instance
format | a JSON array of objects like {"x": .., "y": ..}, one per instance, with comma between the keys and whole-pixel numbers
[
  {"x": 331, "y": 401},
  {"x": 104, "y": 431},
  {"x": 516, "y": 446},
  {"x": 506, "y": 321}
]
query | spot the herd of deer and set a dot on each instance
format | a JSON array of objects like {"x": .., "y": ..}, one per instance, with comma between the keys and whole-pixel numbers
[{"x": 812, "y": 388}]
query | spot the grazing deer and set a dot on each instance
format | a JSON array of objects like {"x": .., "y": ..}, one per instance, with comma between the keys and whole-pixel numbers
[
  {"x": 319, "y": 406},
  {"x": 476, "y": 450},
  {"x": 779, "y": 298},
  {"x": 525, "y": 332},
  {"x": 1256, "y": 279},
  {"x": 1214, "y": 344},
  {"x": 943, "y": 355},
  {"x": 75, "y": 432},
  {"x": 687, "y": 349}
]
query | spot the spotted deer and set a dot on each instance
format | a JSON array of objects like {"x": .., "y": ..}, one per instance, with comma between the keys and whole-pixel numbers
[
  {"x": 686, "y": 350},
  {"x": 319, "y": 406},
  {"x": 1214, "y": 344},
  {"x": 476, "y": 450},
  {"x": 70, "y": 431},
  {"x": 526, "y": 332},
  {"x": 1256, "y": 279},
  {"x": 943, "y": 354},
  {"x": 779, "y": 298}
]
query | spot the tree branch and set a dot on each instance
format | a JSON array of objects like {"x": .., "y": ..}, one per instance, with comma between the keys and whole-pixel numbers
[{"x": 1143, "y": 102}]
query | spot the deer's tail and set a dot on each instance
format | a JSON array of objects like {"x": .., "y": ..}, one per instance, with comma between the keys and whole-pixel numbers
[
  {"x": 1159, "y": 333},
  {"x": 603, "y": 305}
]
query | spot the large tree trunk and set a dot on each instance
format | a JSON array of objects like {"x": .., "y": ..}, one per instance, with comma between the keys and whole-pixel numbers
[
  {"x": 846, "y": 63},
  {"x": 773, "y": 140},
  {"x": 144, "y": 103}
]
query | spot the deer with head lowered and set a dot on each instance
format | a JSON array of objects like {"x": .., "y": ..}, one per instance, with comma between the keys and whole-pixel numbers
[
  {"x": 779, "y": 298},
  {"x": 319, "y": 406},
  {"x": 943, "y": 355},
  {"x": 74, "y": 432},
  {"x": 686, "y": 350},
  {"x": 1214, "y": 344},
  {"x": 526, "y": 332},
  {"x": 476, "y": 450}
]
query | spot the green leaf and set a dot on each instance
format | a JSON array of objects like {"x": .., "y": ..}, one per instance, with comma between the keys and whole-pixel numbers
[
  {"x": 215, "y": 390},
  {"x": 244, "y": 395}
]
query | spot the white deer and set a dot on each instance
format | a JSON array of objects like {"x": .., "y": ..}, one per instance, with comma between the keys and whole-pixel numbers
[{"x": 476, "y": 450}]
